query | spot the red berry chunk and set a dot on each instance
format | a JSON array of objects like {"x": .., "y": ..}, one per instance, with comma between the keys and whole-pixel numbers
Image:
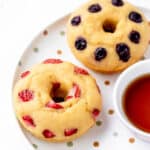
[
  {"x": 28, "y": 120},
  {"x": 48, "y": 134},
  {"x": 52, "y": 61},
  {"x": 56, "y": 86},
  {"x": 54, "y": 105},
  {"x": 74, "y": 92},
  {"x": 69, "y": 132},
  {"x": 77, "y": 90},
  {"x": 24, "y": 74},
  {"x": 79, "y": 70},
  {"x": 69, "y": 97},
  {"x": 26, "y": 95},
  {"x": 95, "y": 112}
]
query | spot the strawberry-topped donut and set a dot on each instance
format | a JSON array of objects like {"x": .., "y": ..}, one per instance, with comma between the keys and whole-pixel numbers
[{"x": 56, "y": 100}]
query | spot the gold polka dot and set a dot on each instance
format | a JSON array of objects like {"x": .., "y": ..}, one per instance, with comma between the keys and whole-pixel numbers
[
  {"x": 115, "y": 134},
  {"x": 45, "y": 32},
  {"x": 149, "y": 41},
  {"x": 131, "y": 140},
  {"x": 107, "y": 82},
  {"x": 111, "y": 111},
  {"x": 143, "y": 58},
  {"x": 62, "y": 33},
  {"x": 149, "y": 23},
  {"x": 59, "y": 52},
  {"x": 99, "y": 123},
  {"x": 96, "y": 144}
]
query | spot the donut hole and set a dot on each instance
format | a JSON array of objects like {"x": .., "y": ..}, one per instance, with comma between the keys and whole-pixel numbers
[
  {"x": 109, "y": 26},
  {"x": 58, "y": 95}
]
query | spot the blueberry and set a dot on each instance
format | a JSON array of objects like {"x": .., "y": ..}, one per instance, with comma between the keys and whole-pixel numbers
[
  {"x": 75, "y": 21},
  {"x": 58, "y": 99},
  {"x": 117, "y": 3},
  {"x": 100, "y": 53},
  {"x": 123, "y": 51},
  {"x": 94, "y": 8},
  {"x": 80, "y": 43},
  {"x": 134, "y": 36},
  {"x": 135, "y": 17}
]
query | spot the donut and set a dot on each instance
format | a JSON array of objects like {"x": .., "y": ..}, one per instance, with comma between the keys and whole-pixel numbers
[
  {"x": 108, "y": 35},
  {"x": 56, "y": 101}
]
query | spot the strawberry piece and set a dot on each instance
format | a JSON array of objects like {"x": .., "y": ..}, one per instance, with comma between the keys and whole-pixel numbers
[
  {"x": 79, "y": 70},
  {"x": 69, "y": 132},
  {"x": 48, "y": 134},
  {"x": 69, "y": 97},
  {"x": 77, "y": 90},
  {"x": 28, "y": 120},
  {"x": 24, "y": 74},
  {"x": 54, "y": 105},
  {"x": 95, "y": 112},
  {"x": 56, "y": 85},
  {"x": 52, "y": 61},
  {"x": 26, "y": 95}
]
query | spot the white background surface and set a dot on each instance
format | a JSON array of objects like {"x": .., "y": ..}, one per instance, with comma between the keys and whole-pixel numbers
[{"x": 20, "y": 22}]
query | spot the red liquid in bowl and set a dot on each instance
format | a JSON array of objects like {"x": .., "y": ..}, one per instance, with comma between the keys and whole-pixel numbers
[{"x": 136, "y": 103}]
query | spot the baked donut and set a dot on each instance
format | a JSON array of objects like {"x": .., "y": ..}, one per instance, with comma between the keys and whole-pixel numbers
[
  {"x": 56, "y": 100},
  {"x": 108, "y": 35}
]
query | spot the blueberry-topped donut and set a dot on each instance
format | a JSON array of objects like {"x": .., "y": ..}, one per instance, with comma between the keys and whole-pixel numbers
[
  {"x": 56, "y": 100},
  {"x": 108, "y": 35}
]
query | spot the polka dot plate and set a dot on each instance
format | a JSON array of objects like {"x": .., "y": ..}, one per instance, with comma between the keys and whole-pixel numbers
[{"x": 108, "y": 133}]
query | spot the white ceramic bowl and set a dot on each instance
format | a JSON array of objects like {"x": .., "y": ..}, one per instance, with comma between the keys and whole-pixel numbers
[{"x": 139, "y": 69}]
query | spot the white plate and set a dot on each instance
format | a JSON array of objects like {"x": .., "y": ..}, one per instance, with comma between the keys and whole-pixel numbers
[{"x": 109, "y": 132}]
